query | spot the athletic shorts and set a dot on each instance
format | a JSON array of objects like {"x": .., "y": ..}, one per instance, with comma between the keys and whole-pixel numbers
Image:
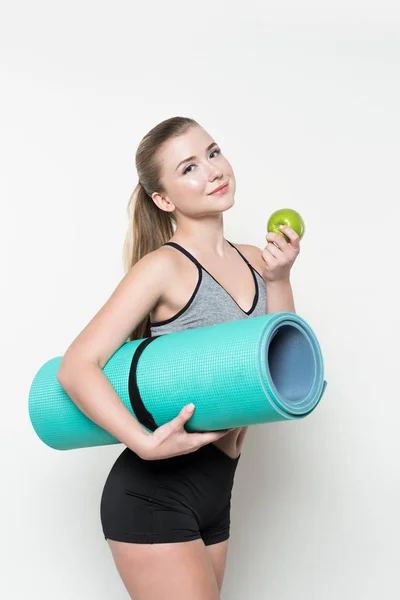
[{"x": 176, "y": 499}]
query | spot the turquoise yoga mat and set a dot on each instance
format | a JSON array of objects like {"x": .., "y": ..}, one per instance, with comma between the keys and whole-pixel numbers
[{"x": 243, "y": 372}]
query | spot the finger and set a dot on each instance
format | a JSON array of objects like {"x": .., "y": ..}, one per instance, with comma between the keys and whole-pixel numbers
[
  {"x": 226, "y": 431},
  {"x": 278, "y": 239},
  {"x": 200, "y": 439},
  {"x": 268, "y": 258},
  {"x": 291, "y": 234},
  {"x": 219, "y": 431},
  {"x": 272, "y": 249},
  {"x": 179, "y": 421}
]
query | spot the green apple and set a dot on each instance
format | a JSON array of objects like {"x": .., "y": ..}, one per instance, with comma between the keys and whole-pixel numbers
[{"x": 288, "y": 217}]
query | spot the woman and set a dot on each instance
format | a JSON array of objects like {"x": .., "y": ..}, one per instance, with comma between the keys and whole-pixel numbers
[{"x": 165, "y": 507}]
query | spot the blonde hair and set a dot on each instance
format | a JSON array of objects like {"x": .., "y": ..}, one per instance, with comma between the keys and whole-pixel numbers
[{"x": 149, "y": 226}]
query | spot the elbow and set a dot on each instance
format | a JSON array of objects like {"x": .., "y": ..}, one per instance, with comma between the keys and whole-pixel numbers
[
  {"x": 67, "y": 368},
  {"x": 62, "y": 373}
]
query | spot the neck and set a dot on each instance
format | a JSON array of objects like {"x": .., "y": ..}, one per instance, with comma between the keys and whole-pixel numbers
[{"x": 204, "y": 237}]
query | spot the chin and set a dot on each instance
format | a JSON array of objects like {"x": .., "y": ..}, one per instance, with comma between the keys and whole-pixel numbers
[{"x": 227, "y": 204}]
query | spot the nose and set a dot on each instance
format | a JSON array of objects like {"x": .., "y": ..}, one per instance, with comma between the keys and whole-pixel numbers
[{"x": 214, "y": 172}]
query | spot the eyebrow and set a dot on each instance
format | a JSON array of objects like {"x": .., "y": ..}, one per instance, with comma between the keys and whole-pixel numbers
[{"x": 194, "y": 157}]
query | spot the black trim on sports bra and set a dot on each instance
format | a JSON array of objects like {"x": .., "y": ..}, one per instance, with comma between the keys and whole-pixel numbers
[
  {"x": 193, "y": 259},
  {"x": 200, "y": 269},
  {"x": 184, "y": 308},
  {"x": 245, "y": 259}
]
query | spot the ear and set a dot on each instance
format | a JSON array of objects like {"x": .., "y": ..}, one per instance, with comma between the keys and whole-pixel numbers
[{"x": 162, "y": 202}]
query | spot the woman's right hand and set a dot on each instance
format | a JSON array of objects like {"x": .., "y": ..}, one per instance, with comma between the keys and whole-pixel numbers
[{"x": 171, "y": 439}]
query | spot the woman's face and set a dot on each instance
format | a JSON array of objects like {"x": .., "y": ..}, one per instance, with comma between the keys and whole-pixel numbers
[{"x": 189, "y": 183}]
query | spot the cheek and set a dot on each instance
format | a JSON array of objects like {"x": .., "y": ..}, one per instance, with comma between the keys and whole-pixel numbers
[
  {"x": 192, "y": 185},
  {"x": 228, "y": 169},
  {"x": 186, "y": 191}
]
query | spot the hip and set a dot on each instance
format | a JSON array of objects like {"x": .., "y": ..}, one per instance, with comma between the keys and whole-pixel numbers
[{"x": 197, "y": 478}]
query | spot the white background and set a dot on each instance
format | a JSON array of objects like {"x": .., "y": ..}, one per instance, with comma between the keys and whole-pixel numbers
[{"x": 303, "y": 98}]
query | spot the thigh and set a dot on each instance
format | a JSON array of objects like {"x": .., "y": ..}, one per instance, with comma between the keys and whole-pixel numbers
[
  {"x": 170, "y": 571},
  {"x": 218, "y": 554}
]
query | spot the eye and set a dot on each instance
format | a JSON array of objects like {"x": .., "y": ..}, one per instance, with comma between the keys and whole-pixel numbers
[
  {"x": 216, "y": 151},
  {"x": 186, "y": 170}
]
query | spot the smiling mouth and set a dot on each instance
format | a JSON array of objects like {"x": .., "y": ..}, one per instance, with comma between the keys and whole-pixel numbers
[{"x": 221, "y": 190}]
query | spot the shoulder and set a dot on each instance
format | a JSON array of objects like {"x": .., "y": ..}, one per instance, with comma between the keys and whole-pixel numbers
[
  {"x": 161, "y": 262},
  {"x": 253, "y": 254}
]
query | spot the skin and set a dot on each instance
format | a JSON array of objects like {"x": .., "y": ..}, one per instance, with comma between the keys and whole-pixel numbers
[
  {"x": 191, "y": 569},
  {"x": 199, "y": 216},
  {"x": 200, "y": 229}
]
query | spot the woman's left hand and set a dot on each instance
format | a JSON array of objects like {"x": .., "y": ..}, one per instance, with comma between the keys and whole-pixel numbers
[{"x": 279, "y": 255}]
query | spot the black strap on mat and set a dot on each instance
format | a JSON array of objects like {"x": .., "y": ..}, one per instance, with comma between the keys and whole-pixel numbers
[{"x": 142, "y": 414}]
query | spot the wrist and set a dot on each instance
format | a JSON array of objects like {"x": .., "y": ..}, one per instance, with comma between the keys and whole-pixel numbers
[
  {"x": 140, "y": 444},
  {"x": 280, "y": 296},
  {"x": 279, "y": 283}
]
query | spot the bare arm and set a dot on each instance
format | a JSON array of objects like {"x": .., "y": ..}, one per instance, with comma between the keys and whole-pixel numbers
[
  {"x": 279, "y": 293},
  {"x": 91, "y": 391},
  {"x": 81, "y": 369},
  {"x": 280, "y": 297}
]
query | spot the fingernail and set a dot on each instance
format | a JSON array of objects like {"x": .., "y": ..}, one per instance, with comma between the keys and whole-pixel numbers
[{"x": 191, "y": 406}]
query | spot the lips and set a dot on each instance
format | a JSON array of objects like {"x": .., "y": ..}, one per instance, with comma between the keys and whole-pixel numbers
[{"x": 221, "y": 187}]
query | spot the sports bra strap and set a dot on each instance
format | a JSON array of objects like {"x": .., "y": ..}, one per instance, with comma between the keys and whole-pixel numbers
[
  {"x": 179, "y": 247},
  {"x": 193, "y": 259}
]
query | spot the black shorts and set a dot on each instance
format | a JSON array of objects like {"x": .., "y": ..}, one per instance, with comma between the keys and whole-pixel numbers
[{"x": 176, "y": 499}]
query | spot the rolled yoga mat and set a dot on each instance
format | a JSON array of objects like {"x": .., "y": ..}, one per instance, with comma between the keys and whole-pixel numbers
[{"x": 237, "y": 373}]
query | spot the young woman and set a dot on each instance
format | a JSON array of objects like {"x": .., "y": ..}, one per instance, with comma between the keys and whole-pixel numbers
[{"x": 165, "y": 507}]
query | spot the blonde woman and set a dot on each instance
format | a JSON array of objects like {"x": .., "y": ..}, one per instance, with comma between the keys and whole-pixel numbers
[{"x": 165, "y": 507}]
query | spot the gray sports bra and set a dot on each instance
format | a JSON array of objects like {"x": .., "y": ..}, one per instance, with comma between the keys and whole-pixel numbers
[{"x": 210, "y": 303}]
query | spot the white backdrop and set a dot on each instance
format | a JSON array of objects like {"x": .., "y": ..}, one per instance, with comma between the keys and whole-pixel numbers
[{"x": 304, "y": 100}]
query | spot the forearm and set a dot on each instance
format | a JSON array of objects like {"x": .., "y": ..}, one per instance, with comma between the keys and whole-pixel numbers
[
  {"x": 280, "y": 296},
  {"x": 91, "y": 391}
]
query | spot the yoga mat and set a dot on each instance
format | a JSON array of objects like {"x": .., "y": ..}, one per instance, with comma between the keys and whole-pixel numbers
[{"x": 243, "y": 372}]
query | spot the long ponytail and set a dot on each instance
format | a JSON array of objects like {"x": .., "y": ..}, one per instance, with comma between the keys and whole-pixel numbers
[{"x": 149, "y": 226}]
